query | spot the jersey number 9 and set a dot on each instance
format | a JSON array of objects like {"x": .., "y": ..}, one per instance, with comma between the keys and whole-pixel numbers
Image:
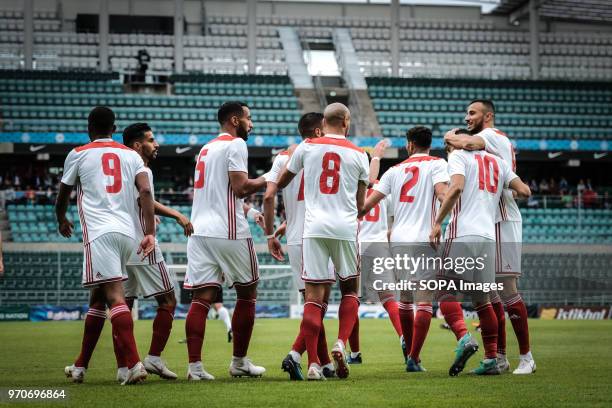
[{"x": 113, "y": 171}]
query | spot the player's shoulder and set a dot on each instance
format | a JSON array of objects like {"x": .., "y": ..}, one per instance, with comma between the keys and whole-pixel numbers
[
  {"x": 493, "y": 133},
  {"x": 111, "y": 144},
  {"x": 224, "y": 139},
  {"x": 332, "y": 141},
  {"x": 420, "y": 159}
]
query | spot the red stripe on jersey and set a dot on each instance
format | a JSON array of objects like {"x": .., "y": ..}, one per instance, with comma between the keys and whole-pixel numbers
[
  {"x": 284, "y": 153},
  {"x": 418, "y": 159},
  {"x": 81, "y": 213},
  {"x": 223, "y": 138},
  {"x": 336, "y": 142},
  {"x": 499, "y": 132},
  {"x": 231, "y": 212},
  {"x": 98, "y": 145}
]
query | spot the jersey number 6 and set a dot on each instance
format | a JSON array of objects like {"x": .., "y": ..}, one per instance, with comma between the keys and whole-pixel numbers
[{"x": 113, "y": 171}]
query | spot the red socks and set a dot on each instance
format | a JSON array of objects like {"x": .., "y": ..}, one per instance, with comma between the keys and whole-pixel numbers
[
  {"x": 310, "y": 328},
  {"x": 162, "y": 325},
  {"x": 421, "y": 327},
  {"x": 406, "y": 315},
  {"x": 453, "y": 314},
  {"x": 488, "y": 327},
  {"x": 195, "y": 326},
  {"x": 123, "y": 333},
  {"x": 243, "y": 321},
  {"x": 517, "y": 312},
  {"x": 94, "y": 323},
  {"x": 498, "y": 308},
  {"x": 322, "y": 351},
  {"x": 348, "y": 315},
  {"x": 354, "y": 338},
  {"x": 392, "y": 308}
]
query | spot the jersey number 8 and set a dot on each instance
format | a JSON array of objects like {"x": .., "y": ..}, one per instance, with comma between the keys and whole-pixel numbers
[{"x": 330, "y": 172}]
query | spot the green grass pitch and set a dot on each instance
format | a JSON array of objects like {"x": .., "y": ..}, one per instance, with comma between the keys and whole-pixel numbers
[{"x": 573, "y": 358}]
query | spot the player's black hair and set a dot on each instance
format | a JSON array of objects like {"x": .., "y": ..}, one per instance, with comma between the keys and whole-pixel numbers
[
  {"x": 420, "y": 136},
  {"x": 487, "y": 103},
  {"x": 462, "y": 132},
  {"x": 101, "y": 121},
  {"x": 135, "y": 133},
  {"x": 309, "y": 122},
  {"x": 229, "y": 109}
]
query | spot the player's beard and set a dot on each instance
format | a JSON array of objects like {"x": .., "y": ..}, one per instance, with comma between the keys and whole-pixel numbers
[
  {"x": 242, "y": 133},
  {"x": 478, "y": 126}
]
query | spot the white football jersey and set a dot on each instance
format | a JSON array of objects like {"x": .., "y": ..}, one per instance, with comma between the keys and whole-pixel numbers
[
  {"x": 486, "y": 176},
  {"x": 411, "y": 184},
  {"x": 293, "y": 197},
  {"x": 216, "y": 211},
  {"x": 104, "y": 172},
  {"x": 373, "y": 226},
  {"x": 497, "y": 143},
  {"x": 333, "y": 167},
  {"x": 155, "y": 256}
]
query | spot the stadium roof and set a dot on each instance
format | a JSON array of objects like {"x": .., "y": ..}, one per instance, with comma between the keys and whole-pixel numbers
[
  {"x": 485, "y": 5},
  {"x": 577, "y": 10}
]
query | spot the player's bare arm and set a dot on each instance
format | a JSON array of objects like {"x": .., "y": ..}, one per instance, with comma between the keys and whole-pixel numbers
[
  {"x": 250, "y": 211},
  {"x": 180, "y": 219},
  {"x": 377, "y": 154},
  {"x": 243, "y": 186},
  {"x": 274, "y": 245},
  {"x": 65, "y": 226},
  {"x": 361, "y": 195},
  {"x": 148, "y": 211},
  {"x": 285, "y": 178},
  {"x": 520, "y": 188},
  {"x": 374, "y": 198},
  {"x": 452, "y": 195},
  {"x": 462, "y": 141},
  {"x": 440, "y": 190},
  {"x": 1, "y": 258}
]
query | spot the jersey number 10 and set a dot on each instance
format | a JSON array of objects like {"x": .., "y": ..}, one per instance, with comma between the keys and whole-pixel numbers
[{"x": 484, "y": 173}]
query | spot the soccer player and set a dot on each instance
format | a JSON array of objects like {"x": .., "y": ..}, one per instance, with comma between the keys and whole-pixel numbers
[
  {"x": 335, "y": 181},
  {"x": 310, "y": 126},
  {"x": 221, "y": 248},
  {"x": 105, "y": 173},
  {"x": 477, "y": 180},
  {"x": 415, "y": 186},
  {"x": 374, "y": 243},
  {"x": 480, "y": 119},
  {"x": 150, "y": 276}
]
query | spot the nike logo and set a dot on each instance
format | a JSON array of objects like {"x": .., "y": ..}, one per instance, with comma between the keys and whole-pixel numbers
[
  {"x": 276, "y": 151},
  {"x": 598, "y": 156},
  {"x": 37, "y": 148},
  {"x": 554, "y": 155},
  {"x": 181, "y": 150}
]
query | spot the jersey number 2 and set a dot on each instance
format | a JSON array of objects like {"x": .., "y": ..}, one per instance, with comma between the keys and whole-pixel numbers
[
  {"x": 484, "y": 173},
  {"x": 404, "y": 197},
  {"x": 330, "y": 172},
  {"x": 113, "y": 171}
]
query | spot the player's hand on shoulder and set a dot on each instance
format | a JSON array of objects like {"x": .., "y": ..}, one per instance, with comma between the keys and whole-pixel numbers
[
  {"x": 186, "y": 224},
  {"x": 65, "y": 228},
  {"x": 379, "y": 149},
  {"x": 448, "y": 135},
  {"x": 275, "y": 249},
  {"x": 147, "y": 245},
  {"x": 434, "y": 236}
]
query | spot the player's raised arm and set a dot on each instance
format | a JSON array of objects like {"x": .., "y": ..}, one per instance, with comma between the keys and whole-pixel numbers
[{"x": 377, "y": 154}]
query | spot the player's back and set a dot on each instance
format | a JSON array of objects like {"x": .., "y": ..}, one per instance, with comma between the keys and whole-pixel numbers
[
  {"x": 106, "y": 172},
  {"x": 497, "y": 143},
  {"x": 293, "y": 198},
  {"x": 485, "y": 177},
  {"x": 373, "y": 226},
  {"x": 217, "y": 211},
  {"x": 333, "y": 167},
  {"x": 411, "y": 184}
]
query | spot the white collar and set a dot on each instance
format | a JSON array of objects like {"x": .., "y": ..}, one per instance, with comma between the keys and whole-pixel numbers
[
  {"x": 106, "y": 139},
  {"x": 419, "y": 155},
  {"x": 333, "y": 136}
]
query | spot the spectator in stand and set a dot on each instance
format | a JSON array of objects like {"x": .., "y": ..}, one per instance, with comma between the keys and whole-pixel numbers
[
  {"x": 589, "y": 198},
  {"x": 589, "y": 186},
  {"x": 563, "y": 186},
  {"x": 552, "y": 187},
  {"x": 580, "y": 187},
  {"x": 30, "y": 195},
  {"x": 1, "y": 258},
  {"x": 533, "y": 186},
  {"x": 544, "y": 187}
]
